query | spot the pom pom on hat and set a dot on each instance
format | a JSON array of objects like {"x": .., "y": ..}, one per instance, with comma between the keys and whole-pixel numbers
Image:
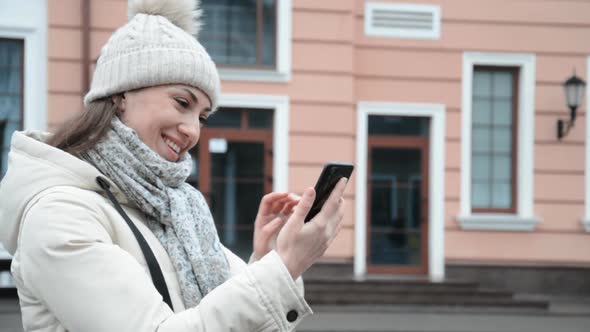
[
  {"x": 185, "y": 14},
  {"x": 156, "y": 47}
]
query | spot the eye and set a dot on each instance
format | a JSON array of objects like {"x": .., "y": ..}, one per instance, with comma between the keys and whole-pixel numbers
[
  {"x": 182, "y": 102},
  {"x": 203, "y": 119}
]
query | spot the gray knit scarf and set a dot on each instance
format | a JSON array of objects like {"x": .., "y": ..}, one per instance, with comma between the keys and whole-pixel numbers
[{"x": 176, "y": 212}]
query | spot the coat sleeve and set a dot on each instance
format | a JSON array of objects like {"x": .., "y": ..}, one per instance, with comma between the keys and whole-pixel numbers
[
  {"x": 69, "y": 261},
  {"x": 237, "y": 265}
]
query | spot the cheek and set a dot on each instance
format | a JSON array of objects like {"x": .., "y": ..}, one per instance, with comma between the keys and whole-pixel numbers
[
  {"x": 137, "y": 123},
  {"x": 145, "y": 125}
]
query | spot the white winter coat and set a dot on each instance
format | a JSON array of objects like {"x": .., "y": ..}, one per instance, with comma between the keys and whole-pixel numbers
[{"x": 78, "y": 267}]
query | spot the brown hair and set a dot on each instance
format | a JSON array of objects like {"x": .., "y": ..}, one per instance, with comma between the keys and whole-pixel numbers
[{"x": 84, "y": 130}]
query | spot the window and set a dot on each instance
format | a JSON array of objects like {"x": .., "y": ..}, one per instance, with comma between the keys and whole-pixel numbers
[
  {"x": 11, "y": 94},
  {"x": 493, "y": 151},
  {"x": 23, "y": 32},
  {"x": 496, "y": 188},
  {"x": 241, "y": 33}
]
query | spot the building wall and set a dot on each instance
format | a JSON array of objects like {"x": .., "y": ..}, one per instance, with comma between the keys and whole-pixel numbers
[
  {"x": 64, "y": 59},
  {"x": 335, "y": 66}
]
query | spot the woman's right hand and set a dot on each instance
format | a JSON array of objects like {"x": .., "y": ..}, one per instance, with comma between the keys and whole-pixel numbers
[{"x": 301, "y": 244}]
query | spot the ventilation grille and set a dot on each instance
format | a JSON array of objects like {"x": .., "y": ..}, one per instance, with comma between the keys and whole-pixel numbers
[{"x": 402, "y": 20}]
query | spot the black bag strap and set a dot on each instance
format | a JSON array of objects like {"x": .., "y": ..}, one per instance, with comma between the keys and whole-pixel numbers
[{"x": 152, "y": 263}]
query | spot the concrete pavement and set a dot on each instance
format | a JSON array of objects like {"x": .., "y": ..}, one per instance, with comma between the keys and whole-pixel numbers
[
  {"x": 437, "y": 320},
  {"x": 565, "y": 315}
]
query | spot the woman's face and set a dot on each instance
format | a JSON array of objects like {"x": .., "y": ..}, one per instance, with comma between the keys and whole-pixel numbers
[{"x": 167, "y": 118}]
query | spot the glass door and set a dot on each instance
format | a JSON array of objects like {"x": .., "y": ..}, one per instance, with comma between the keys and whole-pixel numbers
[
  {"x": 237, "y": 185},
  {"x": 233, "y": 170},
  {"x": 398, "y": 195}
]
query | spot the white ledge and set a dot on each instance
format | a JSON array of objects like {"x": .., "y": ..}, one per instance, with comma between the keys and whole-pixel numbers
[
  {"x": 3, "y": 253},
  {"x": 586, "y": 224},
  {"x": 498, "y": 222},
  {"x": 257, "y": 75}
]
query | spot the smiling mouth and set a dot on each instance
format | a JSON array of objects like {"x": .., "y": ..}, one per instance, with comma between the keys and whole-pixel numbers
[{"x": 172, "y": 145}]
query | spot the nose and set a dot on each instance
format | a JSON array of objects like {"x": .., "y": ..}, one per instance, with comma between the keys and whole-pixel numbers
[{"x": 191, "y": 131}]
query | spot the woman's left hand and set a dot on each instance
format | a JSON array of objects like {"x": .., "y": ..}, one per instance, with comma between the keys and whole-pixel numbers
[{"x": 274, "y": 210}]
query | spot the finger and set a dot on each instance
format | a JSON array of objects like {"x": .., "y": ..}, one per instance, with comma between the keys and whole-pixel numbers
[
  {"x": 336, "y": 232},
  {"x": 268, "y": 200},
  {"x": 289, "y": 206},
  {"x": 296, "y": 220},
  {"x": 336, "y": 222},
  {"x": 273, "y": 226},
  {"x": 285, "y": 205},
  {"x": 293, "y": 198},
  {"x": 285, "y": 210},
  {"x": 279, "y": 204},
  {"x": 332, "y": 202}
]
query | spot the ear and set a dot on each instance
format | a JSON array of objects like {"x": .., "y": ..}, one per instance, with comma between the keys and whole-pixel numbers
[{"x": 120, "y": 101}]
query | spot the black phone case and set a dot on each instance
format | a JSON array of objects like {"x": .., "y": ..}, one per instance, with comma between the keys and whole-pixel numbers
[{"x": 330, "y": 175}]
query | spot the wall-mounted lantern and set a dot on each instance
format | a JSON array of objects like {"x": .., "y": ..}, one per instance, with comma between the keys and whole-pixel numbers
[{"x": 574, "y": 91}]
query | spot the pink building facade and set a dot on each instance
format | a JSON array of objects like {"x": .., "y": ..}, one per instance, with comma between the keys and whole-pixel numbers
[{"x": 447, "y": 108}]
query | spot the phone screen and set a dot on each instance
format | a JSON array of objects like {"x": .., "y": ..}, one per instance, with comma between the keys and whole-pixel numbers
[{"x": 328, "y": 179}]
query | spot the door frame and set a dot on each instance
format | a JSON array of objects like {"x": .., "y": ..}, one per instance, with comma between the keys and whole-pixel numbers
[
  {"x": 436, "y": 188},
  {"x": 280, "y": 129},
  {"x": 401, "y": 142},
  {"x": 234, "y": 135}
]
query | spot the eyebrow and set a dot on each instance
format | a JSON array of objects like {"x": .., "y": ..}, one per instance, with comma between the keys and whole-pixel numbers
[{"x": 195, "y": 99}]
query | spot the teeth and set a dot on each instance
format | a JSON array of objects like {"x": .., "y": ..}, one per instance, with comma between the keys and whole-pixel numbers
[{"x": 171, "y": 144}]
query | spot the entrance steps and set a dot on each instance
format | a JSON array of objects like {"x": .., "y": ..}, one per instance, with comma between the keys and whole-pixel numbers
[{"x": 343, "y": 291}]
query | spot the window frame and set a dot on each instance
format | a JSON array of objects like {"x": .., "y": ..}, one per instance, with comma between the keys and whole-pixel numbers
[
  {"x": 586, "y": 220},
  {"x": 523, "y": 219},
  {"x": 514, "y": 156},
  {"x": 27, "y": 20},
  {"x": 259, "y": 41},
  {"x": 283, "y": 41},
  {"x": 22, "y": 99},
  {"x": 280, "y": 127}
]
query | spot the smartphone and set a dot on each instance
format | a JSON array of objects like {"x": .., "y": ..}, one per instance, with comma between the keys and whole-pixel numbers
[{"x": 331, "y": 174}]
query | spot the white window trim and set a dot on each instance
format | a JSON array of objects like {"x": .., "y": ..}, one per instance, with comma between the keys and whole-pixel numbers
[
  {"x": 586, "y": 220},
  {"x": 436, "y": 162},
  {"x": 523, "y": 220},
  {"x": 282, "y": 73},
  {"x": 280, "y": 106},
  {"x": 27, "y": 20},
  {"x": 370, "y": 30}
]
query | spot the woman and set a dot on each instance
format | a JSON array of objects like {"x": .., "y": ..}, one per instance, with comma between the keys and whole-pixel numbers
[{"x": 107, "y": 236}]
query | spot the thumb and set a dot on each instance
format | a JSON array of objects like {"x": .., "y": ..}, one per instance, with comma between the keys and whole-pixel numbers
[{"x": 296, "y": 220}]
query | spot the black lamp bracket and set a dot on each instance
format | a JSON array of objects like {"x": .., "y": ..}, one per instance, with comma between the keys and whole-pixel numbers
[{"x": 564, "y": 126}]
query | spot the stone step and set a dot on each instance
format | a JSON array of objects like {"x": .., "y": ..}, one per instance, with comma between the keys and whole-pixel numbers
[
  {"x": 340, "y": 298},
  {"x": 389, "y": 286},
  {"x": 406, "y": 291}
]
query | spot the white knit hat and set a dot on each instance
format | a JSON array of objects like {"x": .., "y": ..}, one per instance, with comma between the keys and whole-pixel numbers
[{"x": 157, "y": 46}]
